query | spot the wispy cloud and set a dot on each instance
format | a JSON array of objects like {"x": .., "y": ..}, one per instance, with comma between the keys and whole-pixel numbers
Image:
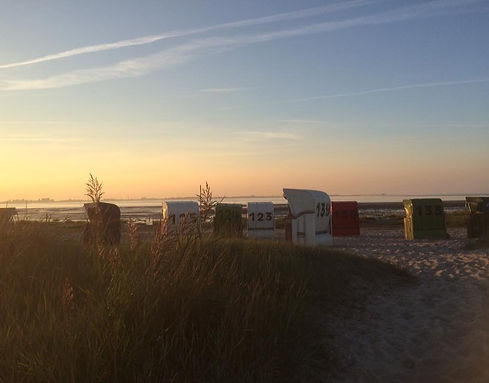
[
  {"x": 232, "y": 107},
  {"x": 41, "y": 139},
  {"x": 182, "y": 53},
  {"x": 123, "y": 69},
  {"x": 304, "y": 122},
  {"x": 303, "y": 13},
  {"x": 223, "y": 90},
  {"x": 36, "y": 122},
  {"x": 396, "y": 88},
  {"x": 270, "y": 135}
]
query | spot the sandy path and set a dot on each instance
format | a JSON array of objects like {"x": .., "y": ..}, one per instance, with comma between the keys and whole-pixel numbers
[{"x": 434, "y": 331}]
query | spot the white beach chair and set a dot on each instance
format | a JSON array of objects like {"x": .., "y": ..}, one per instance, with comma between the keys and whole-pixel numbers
[
  {"x": 177, "y": 211},
  {"x": 261, "y": 220},
  {"x": 310, "y": 212}
]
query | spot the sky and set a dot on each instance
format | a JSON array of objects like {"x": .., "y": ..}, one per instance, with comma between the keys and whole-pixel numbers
[{"x": 156, "y": 97}]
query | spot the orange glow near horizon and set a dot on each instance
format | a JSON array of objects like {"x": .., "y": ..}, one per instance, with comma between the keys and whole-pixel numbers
[{"x": 59, "y": 173}]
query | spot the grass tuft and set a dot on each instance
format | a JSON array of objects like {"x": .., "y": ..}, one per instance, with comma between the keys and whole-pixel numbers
[{"x": 94, "y": 189}]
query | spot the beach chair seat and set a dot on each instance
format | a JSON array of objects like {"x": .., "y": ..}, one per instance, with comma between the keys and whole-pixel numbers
[
  {"x": 425, "y": 219},
  {"x": 345, "y": 218},
  {"x": 478, "y": 219},
  {"x": 261, "y": 220},
  {"x": 310, "y": 216},
  {"x": 181, "y": 215},
  {"x": 104, "y": 223},
  {"x": 228, "y": 220}
]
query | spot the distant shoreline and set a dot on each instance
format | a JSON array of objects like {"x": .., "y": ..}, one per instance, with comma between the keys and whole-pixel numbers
[{"x": 49, "y": 200}]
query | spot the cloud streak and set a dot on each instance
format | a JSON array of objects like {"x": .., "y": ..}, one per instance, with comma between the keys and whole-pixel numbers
[
  {"x": 42, "y": 139},
  {"x": 182, "y": 53},
  {"x": 261, "y": 136},
  {"x": 309, "y": 12},
  {"x": 397, "y": 88},
  {"x": 36, "y": 122},
  {"x": 123, "y": 69},
  {"x": 223, "y": 90}
]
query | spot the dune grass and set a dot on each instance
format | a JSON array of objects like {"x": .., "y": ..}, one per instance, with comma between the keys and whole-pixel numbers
[{"x": 182, "y": 310}]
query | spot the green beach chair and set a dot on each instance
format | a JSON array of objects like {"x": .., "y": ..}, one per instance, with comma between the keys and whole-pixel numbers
[
  {"x": 228, "y": 221},
  {"x": 425, "y": 219}
]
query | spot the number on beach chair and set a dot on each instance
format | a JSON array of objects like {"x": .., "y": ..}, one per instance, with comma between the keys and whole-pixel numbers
[{"x": 261, "y": 220}]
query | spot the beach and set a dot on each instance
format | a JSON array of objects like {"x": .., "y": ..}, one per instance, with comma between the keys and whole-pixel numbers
[
  {"x": 435, "y": 330},
  {"x": 428, "y": 325}
]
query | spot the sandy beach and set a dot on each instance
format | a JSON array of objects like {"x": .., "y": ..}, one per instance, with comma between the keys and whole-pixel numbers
[{"x": 435, "y": 330}]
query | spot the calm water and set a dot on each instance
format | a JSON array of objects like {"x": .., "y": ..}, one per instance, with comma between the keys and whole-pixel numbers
[{"x": 151, "y": 208}]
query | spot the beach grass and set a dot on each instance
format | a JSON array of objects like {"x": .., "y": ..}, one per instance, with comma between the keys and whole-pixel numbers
[{"x": 187, "y": 309}]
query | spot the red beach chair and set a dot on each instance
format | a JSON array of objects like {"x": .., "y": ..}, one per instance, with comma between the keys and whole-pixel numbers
[{"x": 345, "y": 218}]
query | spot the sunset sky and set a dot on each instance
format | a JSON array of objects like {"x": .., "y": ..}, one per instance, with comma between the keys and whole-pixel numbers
[{"x": 156, "y": 97}]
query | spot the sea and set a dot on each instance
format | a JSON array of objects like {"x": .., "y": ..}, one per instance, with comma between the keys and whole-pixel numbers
[{"x": 149, "y": 210}]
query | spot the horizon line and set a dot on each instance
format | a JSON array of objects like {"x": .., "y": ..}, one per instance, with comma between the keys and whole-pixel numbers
[{"x": 40, "y": 200}]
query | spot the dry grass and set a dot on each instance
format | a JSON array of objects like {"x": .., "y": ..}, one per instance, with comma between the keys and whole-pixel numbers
[
  {"x": 181, "y": 310},
  {"x": 207, "y": 204},
  {"x": 94, "y": 189}
]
